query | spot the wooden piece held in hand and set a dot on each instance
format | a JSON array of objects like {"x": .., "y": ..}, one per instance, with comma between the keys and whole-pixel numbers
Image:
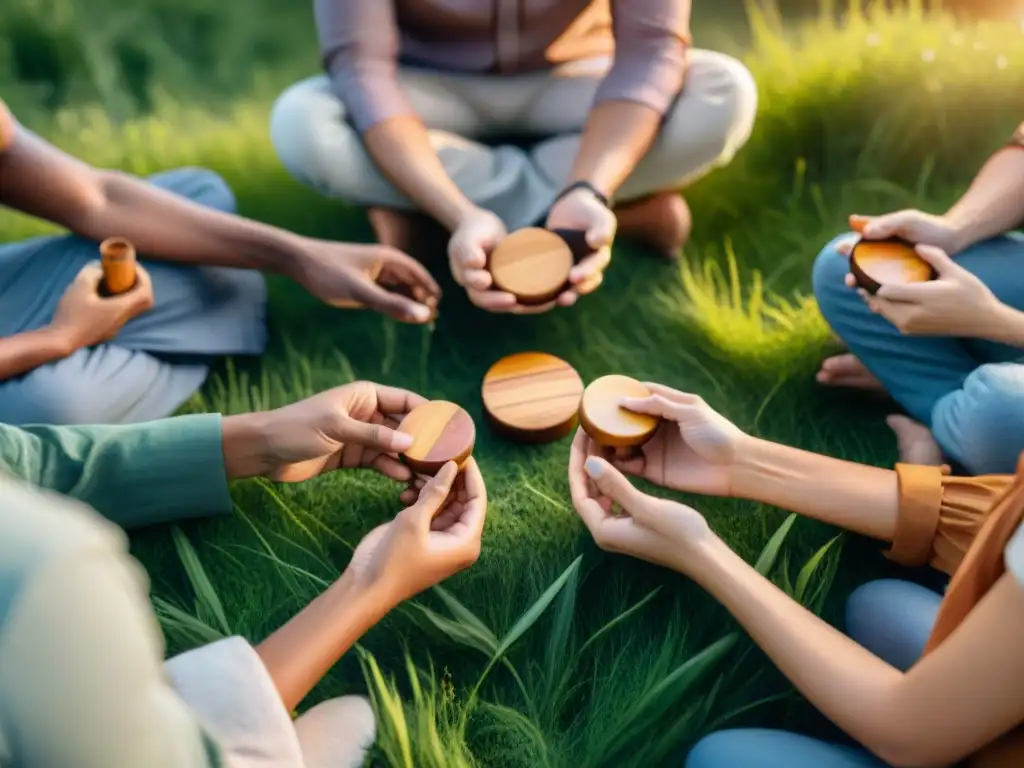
[
  {"x": 441, "y": 432},
  {"x": 532, "y": 397},
  {"x": 533, "y": 264},
  {"x": 608, "y": 423},
  {"x": 117, "y": 256},
  {"x": 893, "y": 261}
]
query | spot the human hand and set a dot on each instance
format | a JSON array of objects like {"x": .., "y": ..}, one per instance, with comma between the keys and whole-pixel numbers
[
  {"x": 656, "y": 530},
  {"x": 695, "y": 449},
  {"x": 378, "y": 277},
  {"x": 956, "y": 303},
  {"x": 581, "y": 210},
  {"x": 469, "y": 249},
  {"x": 436, "y": 537},
  {"x": 85, "y": 318},
  {"x": 914, "y": 226},
  {"x": 348, "y": 427}
]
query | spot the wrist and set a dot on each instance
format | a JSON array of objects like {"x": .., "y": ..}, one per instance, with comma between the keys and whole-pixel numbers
[
  {"x": 453, "y": 213},
  {"x": 697, "y": 559},
  {"x": 60, "y": 341},
  {"x": 752, "y": 467},
  {"x": 370, "y": 598},
  {"x": 963, "y": 224},
  {"x": 245, "y": 440},
  {"x": 1006, "y": 325}
]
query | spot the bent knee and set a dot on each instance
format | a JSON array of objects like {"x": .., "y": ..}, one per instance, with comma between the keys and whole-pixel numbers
[
  {"x": 981, "y": 425},
  {"x": 308, "y": 128},
  {"x": 53, "y": 395}
]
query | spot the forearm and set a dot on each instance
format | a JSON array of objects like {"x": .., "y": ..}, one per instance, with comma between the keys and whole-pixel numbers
[
  {"x": 855, "y": 497},
  {"x": 616, "y": 137},
  {"x": 1007, "y": 325},
  {"x": 848, "y": 684},
  {"x": 300, "y": 653},
  {"x": 24, "y": 352},
  {"x": 168, "y": 227},
  {"x": 400, "y": 146},
  {"x": 994, "y": 203}
]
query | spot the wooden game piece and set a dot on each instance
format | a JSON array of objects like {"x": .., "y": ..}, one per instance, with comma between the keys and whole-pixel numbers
[
  {"x": 441, "y": 432},
  {"x": 893, "y": 261},
  {"x": 607, "y": 422},
  {"x": 532, "y": 397},
  {"x": 117, "y": 256},
  {"x": 533, "y": 264}
]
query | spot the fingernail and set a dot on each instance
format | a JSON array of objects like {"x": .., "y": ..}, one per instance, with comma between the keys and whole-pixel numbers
[
  {"x": 594, "y": 467},
  {"x": 401, "y": 441},
  {"x": 421, "y": 312}
]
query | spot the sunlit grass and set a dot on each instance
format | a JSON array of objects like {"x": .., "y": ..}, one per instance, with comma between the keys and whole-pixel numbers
[{"x": 887, "y": 111}]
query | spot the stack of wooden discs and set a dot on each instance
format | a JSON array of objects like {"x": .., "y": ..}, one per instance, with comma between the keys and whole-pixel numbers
[
  {"x": 893, "y": 261},
  {"x": 441, "y": 432},
  {"x": 532, "y": 397},
  {"x": 533, "y": 264},
  {"x": 605, "y": 420}
]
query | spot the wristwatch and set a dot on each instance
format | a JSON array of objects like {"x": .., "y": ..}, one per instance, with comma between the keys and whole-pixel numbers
[{"x": 603, "y": 198}]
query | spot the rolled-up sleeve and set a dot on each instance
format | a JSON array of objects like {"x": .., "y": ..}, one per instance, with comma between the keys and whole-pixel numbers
[
  {"x": 652, "y": 40},
  {"x": 359, "y": 45},
  {"x": 135, "y": 474}
]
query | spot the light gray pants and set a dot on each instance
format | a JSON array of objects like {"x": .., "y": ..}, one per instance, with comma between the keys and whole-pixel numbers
[{"x": 712, "y": 118}]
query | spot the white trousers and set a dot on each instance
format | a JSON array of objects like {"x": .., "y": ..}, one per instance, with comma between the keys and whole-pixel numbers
[{"x": 712, "y": 118}]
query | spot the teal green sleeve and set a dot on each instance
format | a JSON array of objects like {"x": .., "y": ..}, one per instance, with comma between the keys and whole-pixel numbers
[{"x": 135, "y": 474}]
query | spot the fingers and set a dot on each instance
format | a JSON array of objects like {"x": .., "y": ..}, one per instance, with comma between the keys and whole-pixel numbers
[
  {"x": 674, "y": 395},
  {"x": 613, "y": 484},
  {"x": 469, "y": 523},
  {"x": 394, "y": 401},
  {"x": 432, "y": 498},
  {"x": 655, "y": 405},
  {"x": 889, "y": 225},
  {"x": 91, "y": 274},
  {"x": 392, "y": 468},
  {"x": 413, "y": 271},
  {"x": 376, "y": 297},
  {"x": 591, "y": 266},
  {"x": 939, "y": 260},
  {"x": 492, "y": 301},
  {"x": 477, "y": 279},
  {"x": 858, "y": 222},
  {"x": 589, "y": 510}
]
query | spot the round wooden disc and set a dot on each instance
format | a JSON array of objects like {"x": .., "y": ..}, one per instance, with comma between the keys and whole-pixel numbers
[
  {"x": 533, "y": 264},
  {"x": 532, "y": 397},
  {"x": 608, "y": 423},
  {"x": 875, "y": 263},
  {"x": 441, "y": 432}
]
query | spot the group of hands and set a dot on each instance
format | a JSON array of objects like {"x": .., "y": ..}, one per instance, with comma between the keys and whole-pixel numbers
[
  {"x": 438, "y": 532},
  {"x": 377, "y": 277},
  {"x": 393, "y": 283}
]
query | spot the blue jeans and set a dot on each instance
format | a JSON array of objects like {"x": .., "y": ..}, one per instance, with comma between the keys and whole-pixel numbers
[
  {"x": 160, "y": 358},
  {"x": 970, "y": 392},
  {"x": 890, "y": 618}
]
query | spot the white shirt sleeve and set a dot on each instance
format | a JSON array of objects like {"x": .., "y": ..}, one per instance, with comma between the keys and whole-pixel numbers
[
  {"x": 227, "y": 686},
  {"x": 1015, "y": 555}
]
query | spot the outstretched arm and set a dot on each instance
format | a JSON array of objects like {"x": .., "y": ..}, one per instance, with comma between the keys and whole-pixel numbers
[{"x": 41, "y": 180}]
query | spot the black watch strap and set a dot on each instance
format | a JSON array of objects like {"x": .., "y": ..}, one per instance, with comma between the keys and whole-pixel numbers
[{"x": 587, "y": 186}]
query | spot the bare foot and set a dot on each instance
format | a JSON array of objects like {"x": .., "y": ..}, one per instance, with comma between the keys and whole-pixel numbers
[
  {"x": 847, "y": 371},
  {"x": 914, "y": 442},
  {"x": 661, "y": 222}
]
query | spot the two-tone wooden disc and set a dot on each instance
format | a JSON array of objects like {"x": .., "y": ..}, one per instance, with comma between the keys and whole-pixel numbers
[
  {"x": 607, "y": 422},
  {"x": 441, "y": 432},
  {"x": 533, "y": 264},
  {"x": 532, "y": 397},
  {"x": 875, "y": 263}
]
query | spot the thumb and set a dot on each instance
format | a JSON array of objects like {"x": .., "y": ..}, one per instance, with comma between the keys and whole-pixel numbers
[
  {"x": 433, "y": 496},
  {"x": 90, "y": 274},
  {"x": 602, "y": 232},
  {"x": 858, "y": 222},
  {"x": 376, "y": 436},
  {"x": 393, "y": 304},
  {"x": 939, "y": 260},
  {"x": 616, "y": 487}
]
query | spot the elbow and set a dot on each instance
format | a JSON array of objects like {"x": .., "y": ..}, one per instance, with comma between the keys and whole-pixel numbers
[
  {"x": 906, "y": 749},
  {"x": 93, "y": 200}
]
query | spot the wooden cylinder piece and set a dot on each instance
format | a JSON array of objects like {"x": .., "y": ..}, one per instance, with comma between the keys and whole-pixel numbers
[
  {"x": 875, "y": 263},
  {"x": 609, "y": 424},
  {"x": 441, "y": 432},
  {"x": 117, "y": 256},
  {"x": 532, "y": 397},
  {"x": 533, "y": 264}
]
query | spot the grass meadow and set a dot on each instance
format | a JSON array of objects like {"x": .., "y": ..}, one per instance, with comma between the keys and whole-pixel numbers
[{"x": 550, "y": 653}]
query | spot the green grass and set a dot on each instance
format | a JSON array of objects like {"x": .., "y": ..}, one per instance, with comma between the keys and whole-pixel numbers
[{"x": 886, "y": 111}]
